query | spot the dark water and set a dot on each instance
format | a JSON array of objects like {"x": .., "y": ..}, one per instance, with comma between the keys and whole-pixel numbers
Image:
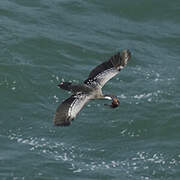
[{"x": 43, "y": 42}]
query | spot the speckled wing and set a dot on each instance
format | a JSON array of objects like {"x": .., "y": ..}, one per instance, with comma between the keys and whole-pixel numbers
[
  {"x": 69, "y": 109},
  {"x": 107, "y": 70}
]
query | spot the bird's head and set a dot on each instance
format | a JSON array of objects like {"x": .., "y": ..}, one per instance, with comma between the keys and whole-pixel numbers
[{"x": 115, "y": 102}]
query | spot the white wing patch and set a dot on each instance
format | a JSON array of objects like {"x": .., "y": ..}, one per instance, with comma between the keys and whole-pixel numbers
[
  {"x": 106, "y": 75},
  {"x": 77, "y": 104}
]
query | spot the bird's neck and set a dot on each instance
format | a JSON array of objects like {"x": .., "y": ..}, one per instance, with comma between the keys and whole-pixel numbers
[{"x": 107, "y": 96}]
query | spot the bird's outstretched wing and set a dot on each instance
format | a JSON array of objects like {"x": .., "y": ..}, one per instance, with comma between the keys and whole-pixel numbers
[
  {"x": 107, "y": 70},
  {"x": 69, "y": 108}
]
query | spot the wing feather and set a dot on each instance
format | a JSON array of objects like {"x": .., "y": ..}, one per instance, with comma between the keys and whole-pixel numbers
[
  {"x": 69, "y": 109},
  {"x": 108, "y": 69}
]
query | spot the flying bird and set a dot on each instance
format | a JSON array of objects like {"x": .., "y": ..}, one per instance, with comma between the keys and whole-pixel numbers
[{"x": 90, "y": 89}]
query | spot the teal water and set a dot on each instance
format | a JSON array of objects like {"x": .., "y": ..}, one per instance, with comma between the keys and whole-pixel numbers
[{"x": 43, "y": 42}]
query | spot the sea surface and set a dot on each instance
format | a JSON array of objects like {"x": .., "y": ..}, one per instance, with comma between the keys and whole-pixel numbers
[{"x": 43, "y": 42}]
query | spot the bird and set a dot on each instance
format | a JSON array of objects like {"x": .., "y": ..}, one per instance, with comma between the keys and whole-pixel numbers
[{"x": 90, "y": 89}]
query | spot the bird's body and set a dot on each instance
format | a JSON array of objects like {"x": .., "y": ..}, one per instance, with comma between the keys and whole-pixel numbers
[{"x": 90, "y": 89}]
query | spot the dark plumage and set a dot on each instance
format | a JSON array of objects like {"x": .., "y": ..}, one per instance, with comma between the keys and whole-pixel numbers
[{"x": 90, "y": 89}]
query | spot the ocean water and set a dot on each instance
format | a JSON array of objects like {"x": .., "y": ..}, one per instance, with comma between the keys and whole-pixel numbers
[{"x": 43, "y": 42}]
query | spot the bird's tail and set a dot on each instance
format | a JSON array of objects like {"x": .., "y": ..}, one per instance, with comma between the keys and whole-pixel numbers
[
  {"x": 74, "y": 88},
  {"x": 65, "y": 85}
]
